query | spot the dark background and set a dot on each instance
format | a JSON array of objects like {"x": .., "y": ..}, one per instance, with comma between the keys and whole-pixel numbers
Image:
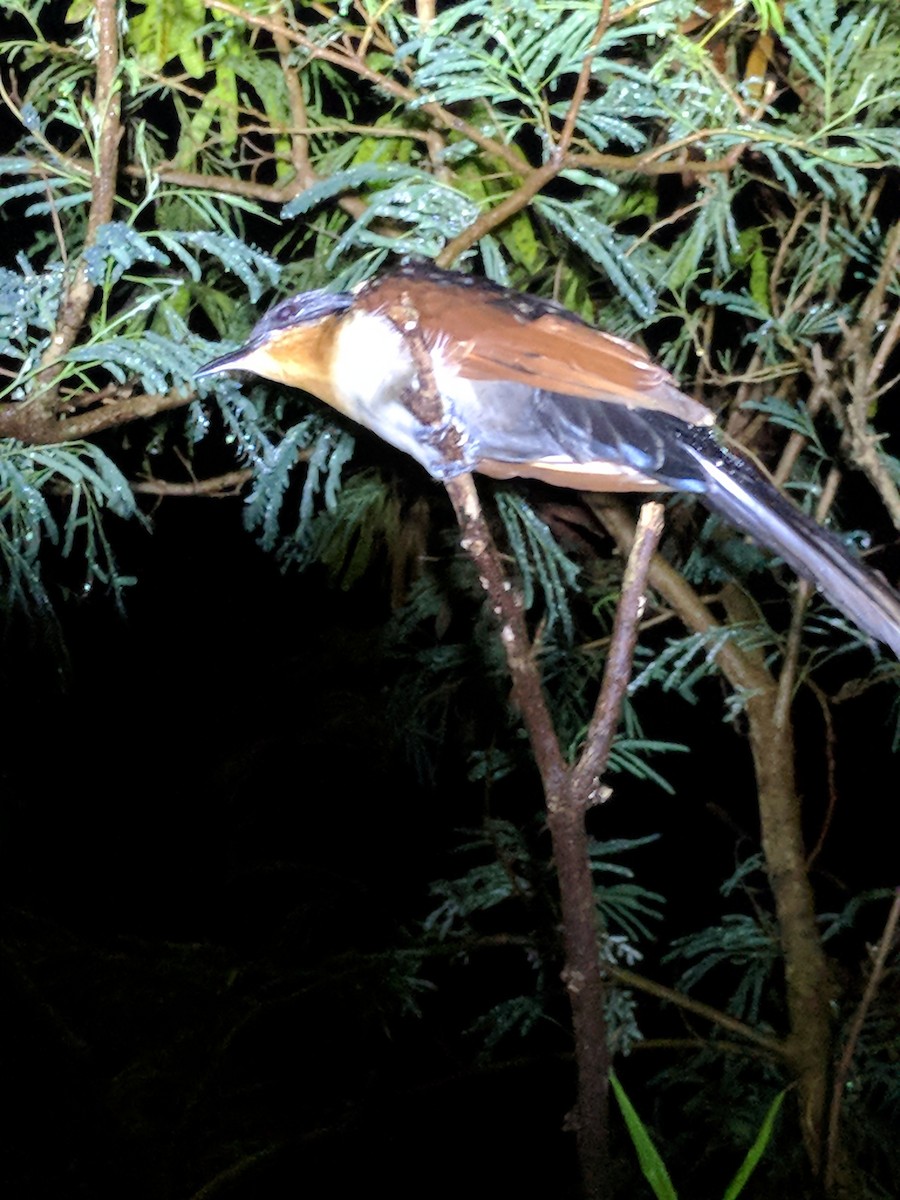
[{"x": 212, "y": 840}]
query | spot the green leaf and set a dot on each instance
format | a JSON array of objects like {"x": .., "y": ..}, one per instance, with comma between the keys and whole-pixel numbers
[
  {"x": 542, "y": 564},
  {"x": 652, "y": 1166},
  {"x": 167, "y": 29},
  {"x": 607, "y": 248},
  {"x": 757, "y": 1150},
  {"x": 752, "y": 253}
]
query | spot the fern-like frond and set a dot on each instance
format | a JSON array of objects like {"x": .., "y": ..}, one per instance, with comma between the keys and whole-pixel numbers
[
  {"x": 541, "y": 563},
  {"x": 85, "y": 483}
]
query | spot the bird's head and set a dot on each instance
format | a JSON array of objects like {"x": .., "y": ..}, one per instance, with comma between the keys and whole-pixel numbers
[{"x": 293, "y": 343}]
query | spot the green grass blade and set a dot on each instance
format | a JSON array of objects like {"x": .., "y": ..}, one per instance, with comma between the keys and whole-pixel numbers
[
  {"x": 652, "y": 1166},
  {"x": 756, "y": 1151}
]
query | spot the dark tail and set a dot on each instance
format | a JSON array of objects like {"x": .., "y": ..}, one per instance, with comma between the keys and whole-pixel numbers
[{"x": 740, "y": 493}]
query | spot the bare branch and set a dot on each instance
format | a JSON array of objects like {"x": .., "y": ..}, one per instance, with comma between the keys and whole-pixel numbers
[
  {"x": 885, "y": 946},
  {"x": 584, "y": 78},
  {"x": 75, "y": 304},
  {"x": 715, "y": 1016},
  {"x": 617, "y": 672},
  {"x": 23, "y": 422},
  {"x": 219, "y": 487}
]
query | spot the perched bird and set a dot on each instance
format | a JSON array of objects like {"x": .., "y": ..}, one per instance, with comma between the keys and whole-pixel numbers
[{"x": 527, "y": 388}]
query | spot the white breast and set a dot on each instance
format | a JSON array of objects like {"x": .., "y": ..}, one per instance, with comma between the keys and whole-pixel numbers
[{"x": 371, "y": 364}]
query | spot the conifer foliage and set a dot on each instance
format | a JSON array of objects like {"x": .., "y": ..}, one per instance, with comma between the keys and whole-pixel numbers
[{"x": 717, "y": 182}]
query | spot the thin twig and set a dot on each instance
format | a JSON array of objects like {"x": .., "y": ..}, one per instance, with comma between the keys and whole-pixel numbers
[
  {"x": 594, "y": 758},
  {"x": 842, "y": 1073},
  {"x": 830, "y": 771},
  {"x": 584, "y": 78},
  {"x": 790, "y": 669},
  {"x": 501, "y": 212},
  {"x": 863, "y": 442},
  {"x": 219, "y": 487},
  {"x": 294, "y": 91}
]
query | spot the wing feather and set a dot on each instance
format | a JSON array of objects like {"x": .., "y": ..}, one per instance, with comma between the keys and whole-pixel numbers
[{"x": 524, "y": 339}]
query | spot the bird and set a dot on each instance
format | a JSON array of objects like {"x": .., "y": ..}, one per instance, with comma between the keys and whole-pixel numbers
[{"x": 528, "y": 389}]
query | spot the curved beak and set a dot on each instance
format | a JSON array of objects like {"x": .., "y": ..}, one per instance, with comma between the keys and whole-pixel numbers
[{"x": 230, "y": 361}]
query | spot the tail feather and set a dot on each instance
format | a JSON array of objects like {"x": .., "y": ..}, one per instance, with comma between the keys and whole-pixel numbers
[{"x": 738, "y": 492}]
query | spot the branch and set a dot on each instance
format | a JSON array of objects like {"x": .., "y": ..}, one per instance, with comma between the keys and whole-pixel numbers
[
  {"x": 645, "y": 163},
  {"x": 715, "y": 1016},
  {"x": 21, "y": 421},
  {"x": 630, "y": 979},
  {"x": 581, "y": 972},
  {"x": 584, "y": 78},
  {"x": 617, "y": 671},
  {"x": 539, "y": 177},
  {"x": 74, "y": 307},
  {"x": 842, "y": 1073},
  {"x": 501, "y": 212},
  {"x": 863, "y": 440},
  {"x": 219, "y": 487},
  {"x": 294, "y": 90},
  {"x": 737, "y": 666}
]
